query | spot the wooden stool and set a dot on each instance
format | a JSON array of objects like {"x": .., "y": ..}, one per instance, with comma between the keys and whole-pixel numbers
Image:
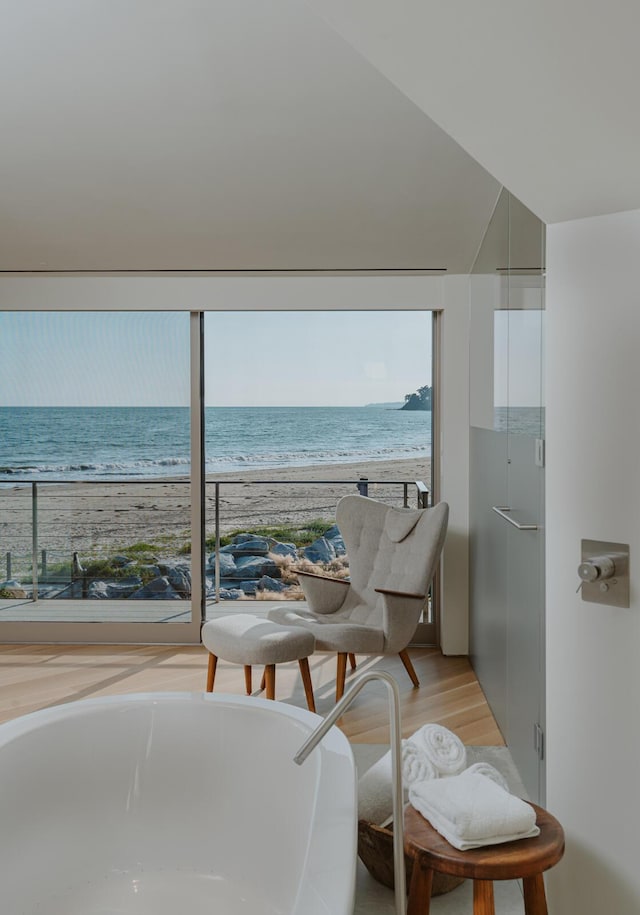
[
  {"x": 524, "y": 859},
  {"x": 246, "y": 639}
]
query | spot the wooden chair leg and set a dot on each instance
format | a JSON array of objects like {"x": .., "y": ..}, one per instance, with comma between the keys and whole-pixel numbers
[
  {"x": 247, "y": 678},
  {"x": 483, "y": 897},
  {"x": 535, "y": 900},
  {"x": 419, "y": 901},
  {"x": 211, "y": 672},
  {"x": 352, "y": 661},
  {"x": 408, "y": 666},
  {"x": 270, "y": 680},
  {"x": 341, "y": 674},
  {"x": 263, "y": 682},
  {"x": 308, "y": 686}
]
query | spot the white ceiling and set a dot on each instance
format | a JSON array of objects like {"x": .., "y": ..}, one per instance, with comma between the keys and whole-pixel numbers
[
  {"x": 544, "y": 94},
  {"x": 218, "y": 134}
]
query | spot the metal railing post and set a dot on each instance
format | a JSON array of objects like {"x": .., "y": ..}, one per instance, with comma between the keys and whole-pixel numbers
[
  {"x": 34, "y": 540},
  {"x": 423, "y": 494},
  {"x": 217, "y": 563},
  {"x": 8, "y": 565},
  {"x": 43, "y": 572}
]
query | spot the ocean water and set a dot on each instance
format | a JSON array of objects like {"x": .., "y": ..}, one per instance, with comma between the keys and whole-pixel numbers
[{"x": 74, "y": 443}]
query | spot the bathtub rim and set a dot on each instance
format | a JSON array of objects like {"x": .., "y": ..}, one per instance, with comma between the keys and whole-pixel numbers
[{"x": 21, "y": 724}]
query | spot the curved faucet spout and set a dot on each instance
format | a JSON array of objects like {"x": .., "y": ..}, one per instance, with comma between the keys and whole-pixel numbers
[{"x": 396, "y": 768}]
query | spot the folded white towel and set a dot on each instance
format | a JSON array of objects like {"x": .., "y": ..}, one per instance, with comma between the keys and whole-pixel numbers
[
  {"x": 442, "y": 747},
  {"x": 485, "y": 768},
  {"x": 471, "y": 811},
  {"x": 375, "y": 786}
]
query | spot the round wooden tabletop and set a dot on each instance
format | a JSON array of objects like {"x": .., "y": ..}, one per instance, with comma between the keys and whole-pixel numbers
[{"x": 506, "y": 861}]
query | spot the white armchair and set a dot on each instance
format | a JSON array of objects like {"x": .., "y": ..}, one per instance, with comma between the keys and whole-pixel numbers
[{"x": 393, "y": 554}]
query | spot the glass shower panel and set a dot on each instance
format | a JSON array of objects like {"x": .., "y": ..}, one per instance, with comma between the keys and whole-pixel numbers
[
  {"x": 525, "y": 497},
  {"x": 488, "y": 343}
]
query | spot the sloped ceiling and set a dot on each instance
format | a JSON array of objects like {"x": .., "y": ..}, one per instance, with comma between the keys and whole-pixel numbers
[
  {"x": 218, "y": 135},
  {"x": 544, "y": 94}
]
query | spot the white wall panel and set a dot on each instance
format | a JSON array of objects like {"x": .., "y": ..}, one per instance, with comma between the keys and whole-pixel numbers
[{"x": 593, "y": 491}]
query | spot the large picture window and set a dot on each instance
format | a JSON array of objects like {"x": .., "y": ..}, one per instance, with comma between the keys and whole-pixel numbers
[
  {"x": 303, "y": 408},
  {"x": 94, "y": 466},
  {"x": 159, "y": 467}
]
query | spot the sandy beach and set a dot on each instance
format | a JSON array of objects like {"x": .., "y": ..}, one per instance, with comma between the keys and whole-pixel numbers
[{"x": 97, "y": 519}]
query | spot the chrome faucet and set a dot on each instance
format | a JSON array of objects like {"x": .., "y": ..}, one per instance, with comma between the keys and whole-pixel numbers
[{"x": 396, "y": 768}]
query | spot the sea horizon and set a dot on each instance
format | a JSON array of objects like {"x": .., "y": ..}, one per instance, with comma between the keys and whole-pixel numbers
[{"x": 63, "y": 443}]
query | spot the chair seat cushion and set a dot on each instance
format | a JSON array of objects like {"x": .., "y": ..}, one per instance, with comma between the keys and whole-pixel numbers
[
  {"x": 247, "y": 639},
  {"x": 332, "y": 632}
]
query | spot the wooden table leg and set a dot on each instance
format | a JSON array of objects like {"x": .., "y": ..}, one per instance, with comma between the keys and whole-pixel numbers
[
  {"x": 211, "y": 672},
  {"x": 247, "y": 678},
  {"x": 419, "y": 902},
  {"x": 308, "y": 685},
  {"x": 535, "y": 899},
  {"x": 270, "y": 680},
  {"x": 483, "y": 897}
]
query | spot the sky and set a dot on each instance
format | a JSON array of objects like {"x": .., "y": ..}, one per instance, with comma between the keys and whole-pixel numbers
[{"x": 251, "y": 358}]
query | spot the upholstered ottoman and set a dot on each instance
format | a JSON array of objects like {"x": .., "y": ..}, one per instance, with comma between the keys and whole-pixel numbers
[{"x": 246, "y": 639}]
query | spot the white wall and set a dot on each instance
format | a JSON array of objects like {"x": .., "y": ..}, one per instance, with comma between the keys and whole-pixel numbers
[
  {"x": 593, "y": 491},
  {"x": 195, "y": 292}
]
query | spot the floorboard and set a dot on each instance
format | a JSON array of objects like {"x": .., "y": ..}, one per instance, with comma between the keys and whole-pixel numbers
[{"x": 39, "y": 676}]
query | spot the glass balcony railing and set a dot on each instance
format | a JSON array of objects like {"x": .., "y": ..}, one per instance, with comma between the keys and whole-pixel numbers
[
  {"x": 94, "y": 540},
  {"x": 130, "y": 540}
]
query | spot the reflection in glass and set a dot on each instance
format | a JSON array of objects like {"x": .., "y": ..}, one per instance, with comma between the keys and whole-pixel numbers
[{"x": 517, "y": 396}]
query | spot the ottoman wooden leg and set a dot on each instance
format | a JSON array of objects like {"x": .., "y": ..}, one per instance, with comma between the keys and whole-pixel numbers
[
  {"x": 419, "y": 902},
  {"x": 308, "y": 685},
  {"x": 535, "y": 900},
  {"x": 211, "y": 672},
  {"x": 483, "y": 897},
  {"x": 247, "y": 678},
  {"x": 270, "y": 680},
  {"x": 352, "y": 661},
  {"x": 263, "y": 682}
]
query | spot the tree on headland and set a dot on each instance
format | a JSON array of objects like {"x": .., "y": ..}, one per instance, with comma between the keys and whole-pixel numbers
[{"x": 419, "y": 400}]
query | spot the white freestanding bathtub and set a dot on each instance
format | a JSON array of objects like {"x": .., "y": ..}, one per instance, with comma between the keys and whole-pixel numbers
[{"x": 178, "y": 803}]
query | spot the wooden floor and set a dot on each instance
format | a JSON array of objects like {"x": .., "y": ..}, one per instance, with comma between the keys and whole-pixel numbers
[{"x": 38, "y": 676}]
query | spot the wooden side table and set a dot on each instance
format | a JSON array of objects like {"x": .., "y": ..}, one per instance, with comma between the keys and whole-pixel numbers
[{"x": 525, "y": 859}]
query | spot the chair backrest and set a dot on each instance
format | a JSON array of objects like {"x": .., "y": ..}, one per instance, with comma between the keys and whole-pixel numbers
[{"x": 391, "y": 548}]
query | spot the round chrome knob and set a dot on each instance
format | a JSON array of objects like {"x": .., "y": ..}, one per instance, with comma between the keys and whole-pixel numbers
[{"x": 596, "y": 568}]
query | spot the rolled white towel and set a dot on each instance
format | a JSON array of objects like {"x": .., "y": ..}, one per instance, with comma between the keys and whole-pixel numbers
[
  {"x": 485, "y": 768},
  {"x": 416, "y": 766},
  {"x": 375, "y": 802},
  {"x": 471, "y": 811},
  {"x": 442, "y": 747},
  {"x": 375, "y": 786}
]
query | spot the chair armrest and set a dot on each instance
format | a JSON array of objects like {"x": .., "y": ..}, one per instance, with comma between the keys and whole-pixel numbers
[
  {"x": 341, "y": 581},
  {"x": 400, "y": 615},
  {"x": 408, "y": 594},
  {"x": 323, "y": 594}
]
